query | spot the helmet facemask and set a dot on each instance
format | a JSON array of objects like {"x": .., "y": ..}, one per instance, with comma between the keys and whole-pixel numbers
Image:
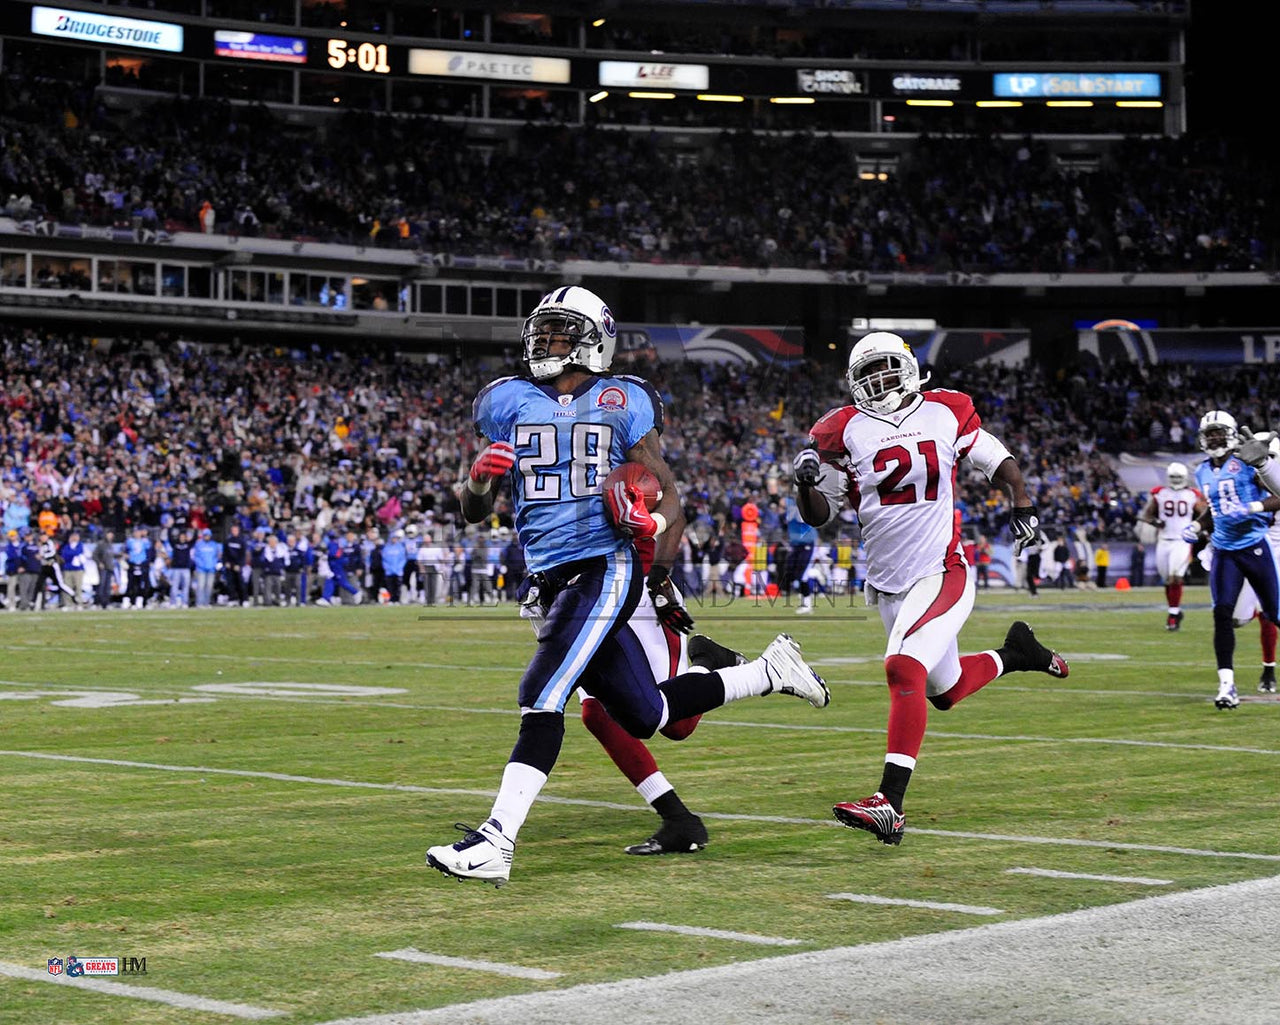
[
  {"x": 572, "y": 319},
  {"x": 881, "y": 381},
  {"x": 1218, "y": 435}
]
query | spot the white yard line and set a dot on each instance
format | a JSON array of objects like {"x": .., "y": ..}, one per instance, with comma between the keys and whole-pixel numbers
[
  {"x": 410, "y": 788},
  {"x": 156, "y": 996},
  {"x": 931, "y": 905},
  {"x": 417, "y": 956},
  {"x": 1050, "y": 873},
  {"x": 713, "y": 934},
  {"x": 936, "y": 734}
]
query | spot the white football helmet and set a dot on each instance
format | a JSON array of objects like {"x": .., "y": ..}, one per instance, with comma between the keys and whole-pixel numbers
[
  {"x": 1218, "y": 434},
  {"x": 583, "y": 317},
  {"x": 1177, "y": 475},
  {"x": 881, "y": 389}
]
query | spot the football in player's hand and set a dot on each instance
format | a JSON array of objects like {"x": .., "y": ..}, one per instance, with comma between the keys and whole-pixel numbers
[{"x": 634, "y": 478}]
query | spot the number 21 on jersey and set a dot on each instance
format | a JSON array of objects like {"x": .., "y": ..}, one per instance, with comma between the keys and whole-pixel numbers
[{"x": 891, "y": 489}]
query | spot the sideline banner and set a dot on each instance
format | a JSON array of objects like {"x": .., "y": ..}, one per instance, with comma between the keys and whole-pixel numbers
[
  {"x": 1221, "y": 346},
  {"x": 748, "y": 346}
]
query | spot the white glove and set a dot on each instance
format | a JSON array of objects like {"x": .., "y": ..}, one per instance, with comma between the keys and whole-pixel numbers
[
  {"x": 1191, "y": 533},
  {"x": 806, "y": 467},
  {"x": 1253, "y": 448}
]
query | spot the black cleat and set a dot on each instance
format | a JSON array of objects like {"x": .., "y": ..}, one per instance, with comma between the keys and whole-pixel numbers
[
  {"x": 1032, "y": 656},
  {"x": 707, "y": 654},
  {"x": 1174, "y": 622},
  {"x": 1267, "y": 682},
  {"x": 674, "y": 836}
]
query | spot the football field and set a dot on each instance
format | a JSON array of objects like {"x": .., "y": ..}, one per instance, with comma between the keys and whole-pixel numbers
[{"x": 235, "y": 803}]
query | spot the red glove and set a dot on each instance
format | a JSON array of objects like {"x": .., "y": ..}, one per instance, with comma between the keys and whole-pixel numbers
[
  {"x": 492, "y": 463},
  {"x": 628, "y": 511}
]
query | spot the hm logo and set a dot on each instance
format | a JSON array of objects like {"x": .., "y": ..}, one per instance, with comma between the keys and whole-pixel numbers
[{"x": 133, "y": 966}]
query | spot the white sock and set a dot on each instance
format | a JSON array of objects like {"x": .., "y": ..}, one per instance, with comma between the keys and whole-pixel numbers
[
  {"x": 744, "y": 681},
  {"x": 1226, "y": 676},
  {"x": 654, "y": 786},
  {"x": 520, "y": 785}
]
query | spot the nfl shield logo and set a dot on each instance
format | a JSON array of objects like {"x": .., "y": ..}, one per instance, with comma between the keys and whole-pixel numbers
[{"x": 55, "y": 966}]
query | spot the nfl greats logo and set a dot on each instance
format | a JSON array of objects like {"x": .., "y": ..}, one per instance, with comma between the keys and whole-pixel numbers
[
  {"x": 612, "y": 398},
  {"x": 607, "y": 323}
]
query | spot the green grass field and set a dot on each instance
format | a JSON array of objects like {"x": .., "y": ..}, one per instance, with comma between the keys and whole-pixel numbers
[{"x": 244, "y": 798}]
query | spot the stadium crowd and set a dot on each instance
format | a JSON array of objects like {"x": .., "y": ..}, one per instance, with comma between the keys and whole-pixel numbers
[
  {"x": 749, "y": 199},
  {"x": 338, "y": 455}
]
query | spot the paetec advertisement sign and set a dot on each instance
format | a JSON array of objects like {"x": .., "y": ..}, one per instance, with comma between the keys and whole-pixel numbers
[
  {"x": 504, "y": 67},
  {"x": 107, "y": 29},
  {"x": 255, "y": 46},
  {"x": 653, "y": 75},
  {"x": 1032, "y": 85}
]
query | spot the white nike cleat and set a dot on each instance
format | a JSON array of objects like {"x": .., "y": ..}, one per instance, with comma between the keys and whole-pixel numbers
[
  {"x": 1227, "y": 696},
  {"x": 483, "y": 853},
  {"x": 790, "y": 674}
]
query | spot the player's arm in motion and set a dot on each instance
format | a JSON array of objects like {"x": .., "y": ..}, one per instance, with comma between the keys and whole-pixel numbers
[
  {"x": 492, "y": 464},
  {"x": 669, "y": 515},
  {"x": 1008, "y": 475},
  {"x": 1151, "y": 513}
]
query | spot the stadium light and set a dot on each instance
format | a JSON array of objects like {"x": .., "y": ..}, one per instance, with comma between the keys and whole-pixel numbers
[
  {"x": 931, "y": 103},
  {"x": 998, "y": 103},
  {"x": 719, "y": 98},
  {"x": 1068, "y": 103},
  {"x": 1139, "y": 103},
  {"x": 597, "y": 97},
  {"x": 792, "y": 99},
  {"x": 652, "y": 96},
  {"x": 597, "y": 23}
]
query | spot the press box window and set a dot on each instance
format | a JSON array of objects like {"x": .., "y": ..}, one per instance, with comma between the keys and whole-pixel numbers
[{"x": 13, "y": 270}]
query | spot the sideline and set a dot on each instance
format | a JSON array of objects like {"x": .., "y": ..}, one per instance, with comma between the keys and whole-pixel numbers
[{"x": 1198, "y": 958}]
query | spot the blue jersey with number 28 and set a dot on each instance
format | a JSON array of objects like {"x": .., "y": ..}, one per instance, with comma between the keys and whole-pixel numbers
[
  {"x": 565, "y": 447},
  {"x": 1229, "y": 489}
]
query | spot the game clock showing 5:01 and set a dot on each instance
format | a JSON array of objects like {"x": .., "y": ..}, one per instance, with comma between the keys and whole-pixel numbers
[{"x": 345, "y": 56}]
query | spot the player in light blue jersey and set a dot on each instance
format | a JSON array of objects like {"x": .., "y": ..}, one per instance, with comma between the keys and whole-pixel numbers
[
  {"x": 553, "y": 435},
  {"x": 802, "y": 537},
  {"x": 1236, "y": 481}
]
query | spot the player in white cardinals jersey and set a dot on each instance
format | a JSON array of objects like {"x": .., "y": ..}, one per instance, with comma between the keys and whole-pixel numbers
[
  {"x": 1170, "y": 510},
  {"x": 894, "y": 454}
]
